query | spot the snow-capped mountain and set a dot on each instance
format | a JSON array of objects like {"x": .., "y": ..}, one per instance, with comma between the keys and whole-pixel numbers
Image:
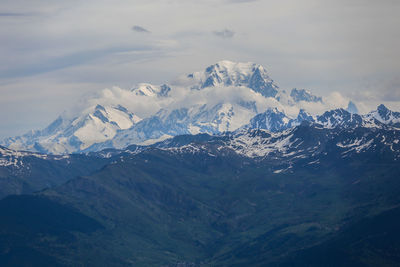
[
  {"x": 66, "y": 135},
  {"x": 276, "y": 121},
  {"x": 272, "y": 119},
  {"x": 339, "y": 118},
  {"x": 146, "y": 89},
  {"x": 385, "y": 115},
  {"x": 227, "y": 73},
  {"x": 224, "y": 97},
  {"x": 216, "y": 120},
  {"x": 273, "y": 135},
  {"x": 202, "y": 118},
  {"x": 307, "y": 141}
]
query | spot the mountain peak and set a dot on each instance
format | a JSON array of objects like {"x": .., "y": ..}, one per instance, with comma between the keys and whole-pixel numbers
[
  {"x": 272, "y": 119},
  {"x": 228, "y": 73},
  {"x": 352, "y": 108},
  {"x": 304, "y": 95},
  {"x": 99, "y": 107},
  {"x": 304, "y": 116},
  {"x": 338, "y": 111},
  {"x": 340, "y": 118},
  {"x": 382, "y": 109},
  {"x": 224, "y": 97},
  {"x": 147, "y": 89},
  {"x": 385, "y": 115}
]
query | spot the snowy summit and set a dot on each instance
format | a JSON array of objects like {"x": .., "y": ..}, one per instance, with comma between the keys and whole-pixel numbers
[{"x": 226, "y": 96}]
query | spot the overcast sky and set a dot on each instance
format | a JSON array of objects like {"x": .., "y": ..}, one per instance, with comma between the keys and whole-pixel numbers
[{"x": 54, "y": 53}]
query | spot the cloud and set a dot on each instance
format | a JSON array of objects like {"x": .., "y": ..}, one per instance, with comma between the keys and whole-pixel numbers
[
  {"x": 379, "y": 90},
  {"x": 241, "y": 1},
  {"x": 183, "y": 97},
  {"x": 137, "y": 28},
  {"x": 14, "y": 14},
  {"x": 226, "y": 33},
  {"x": 387, "y": 90},
  {"x": 70, "y": 60}
]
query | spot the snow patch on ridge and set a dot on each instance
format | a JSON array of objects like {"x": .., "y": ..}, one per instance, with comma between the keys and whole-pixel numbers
[
  {"x": 15, "y": 158},
  {"x": 261, "y": 145}
]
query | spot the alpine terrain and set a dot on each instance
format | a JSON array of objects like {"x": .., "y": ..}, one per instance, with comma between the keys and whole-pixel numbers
[
  {"x": 222, "y": 98},
  {"x": 219, "y": 168}
]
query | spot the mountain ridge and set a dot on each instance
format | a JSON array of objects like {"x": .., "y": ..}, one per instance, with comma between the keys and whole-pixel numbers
[{"x": 226, "y": 96}]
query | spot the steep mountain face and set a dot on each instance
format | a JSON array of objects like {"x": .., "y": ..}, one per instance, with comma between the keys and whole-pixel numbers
[
  {"x": 227, "y": 73},
  {"x": 385, "y": 115},
  {"x": 352, "y": 108},
  {"x": 252, "y": 197}
]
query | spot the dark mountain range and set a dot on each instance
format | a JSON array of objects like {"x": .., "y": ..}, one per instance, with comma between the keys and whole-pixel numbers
[
  {"x": 27, "y": 172},
  {"x": 322, "y": 193}
]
